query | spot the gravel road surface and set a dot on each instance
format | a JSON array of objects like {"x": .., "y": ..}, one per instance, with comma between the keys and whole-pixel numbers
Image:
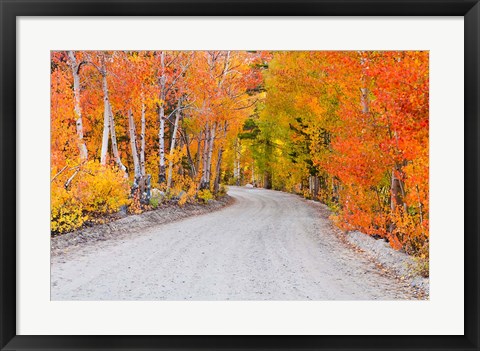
[{"x": 267, "y": 245}]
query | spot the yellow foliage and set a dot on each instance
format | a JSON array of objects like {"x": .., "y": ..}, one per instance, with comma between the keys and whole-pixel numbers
[
  {"x": 94, "y": 190},
  {"x": 66, "y": 212},
  {"x": 184, "y": 187},
  {"x": 101, "y": 189},
  {"x": 183, "y": 199},
  {"x": 204, "y": 195}
]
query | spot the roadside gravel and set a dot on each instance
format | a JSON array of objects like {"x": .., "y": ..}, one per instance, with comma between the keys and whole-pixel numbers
[
  {"x": 401, "y": 264},
  {"x": 397, "y": 264},
  {"x": 132, "y": 225}
]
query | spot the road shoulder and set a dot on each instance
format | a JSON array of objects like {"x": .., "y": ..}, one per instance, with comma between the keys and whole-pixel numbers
[{"x": 132, "y": 225}]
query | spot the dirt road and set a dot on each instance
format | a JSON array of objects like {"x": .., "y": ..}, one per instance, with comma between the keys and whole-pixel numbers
[{"x": 268, "y": 245}]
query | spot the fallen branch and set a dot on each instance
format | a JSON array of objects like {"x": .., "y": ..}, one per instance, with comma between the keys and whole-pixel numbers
[
  {"x": 60, "y": 172},
  {"x": 67, "y": 184}
]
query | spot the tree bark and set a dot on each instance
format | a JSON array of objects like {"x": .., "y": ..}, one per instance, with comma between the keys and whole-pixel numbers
[
  {"x": 420, "y": 206},
  {"x": 397, "y": 186},
  {"x": 142, "y": 154},
  {"x": 364, "y": 89},
  {"x": 364, "y": 100},
  {"x": 172, "y": 146},
  {"x": 218, "y": 171},
  {"x": 218, "y": 168},
  {"x": 113, "y": 135},
  {"x": 82, "y": 147},
  {"x": 267, "y": 182},
  {"x": 193, "y": 169},
  {"x": 210, "y": 153},
  {"x": 206, "y": 143},
  {"x": 315, "y": 187},
  {"x": 142, "y": 143},
  {"x": 161, "y": 117},
  {"x": 106, "y": 117},
  {"x": 198, "y": 155},
  {"x": 396, "y": 189},
  {"x": 161, "y": 137},
  {"x": 133, "y": 145}
]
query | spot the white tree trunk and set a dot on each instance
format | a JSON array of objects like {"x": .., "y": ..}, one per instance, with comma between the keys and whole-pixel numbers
[
  {"x": 133, "y": 145},
  {"x": 172, "y": 146},
  {"x": 116, "y": 155},
  {"x": 78, "y": 111},
  {"x": 204, "y": 179},
  {"x": 142, "y": 143},
  {"x": 161, "y": 138},
  {"x": 198, "y": 155},
  {"x": 210, "y": 152},
  {"x": 109, "y": 124},
  {"x": 106, "y": 118},
  {"x": 161, "y": 117},
  {"x": 218, "y": 169}
]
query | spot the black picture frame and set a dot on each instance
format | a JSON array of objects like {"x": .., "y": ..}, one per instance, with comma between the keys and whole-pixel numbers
[{"x": 9, "y": 11}]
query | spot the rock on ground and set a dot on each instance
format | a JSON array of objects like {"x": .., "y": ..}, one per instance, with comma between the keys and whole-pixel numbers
[{"x": 399, "y": 262}]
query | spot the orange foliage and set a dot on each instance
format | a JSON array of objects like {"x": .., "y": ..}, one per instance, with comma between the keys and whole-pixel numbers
[
  {"x": 203, "y": 91},
  {"x": 355, "y": 120}
]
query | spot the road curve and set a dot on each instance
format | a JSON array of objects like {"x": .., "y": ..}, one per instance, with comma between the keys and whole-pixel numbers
[{"x": 268, "y": 245}]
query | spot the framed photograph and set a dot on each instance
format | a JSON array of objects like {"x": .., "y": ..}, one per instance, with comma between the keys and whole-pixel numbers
[{"x": 239, "y": 175}]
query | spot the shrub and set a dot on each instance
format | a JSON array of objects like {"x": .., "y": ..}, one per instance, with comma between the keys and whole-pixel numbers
[
  {"x": 94, "y": 190},
  {"x": 183, "y": 190},
  {"x": 183, "y": 199},
  {"x": 204, "y": 195},
  {"x": 66, "y": 212},
  {"x": 101, "y": 189},
  {"x": 156, "y": 198},
  {"x": 154, "y": 202}
]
